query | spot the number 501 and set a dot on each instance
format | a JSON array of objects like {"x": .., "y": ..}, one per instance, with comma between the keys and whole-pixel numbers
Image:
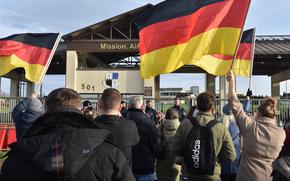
[{"x": 87, "y": 87}]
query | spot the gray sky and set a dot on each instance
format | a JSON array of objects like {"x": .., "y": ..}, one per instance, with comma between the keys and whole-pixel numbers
[{"x": 19, "y": 16}]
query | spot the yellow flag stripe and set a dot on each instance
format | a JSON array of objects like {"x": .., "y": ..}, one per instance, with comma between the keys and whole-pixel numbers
[
  {"x": 214, "y": 65},
  {"x": 33, "y": 72},
  {"x": 242, "y": 67},
  {"x": 168, "y": 59}
]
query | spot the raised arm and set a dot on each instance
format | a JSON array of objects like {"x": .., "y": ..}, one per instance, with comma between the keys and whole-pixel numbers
[{"x": 243, "y": 120}]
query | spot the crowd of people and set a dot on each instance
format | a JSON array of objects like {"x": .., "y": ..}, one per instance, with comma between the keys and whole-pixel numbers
[{"x": 66, "y": 139}]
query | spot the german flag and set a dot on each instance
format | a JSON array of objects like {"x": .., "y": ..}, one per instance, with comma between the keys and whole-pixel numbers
[
  {"x": 244, "y": 60},
  {"x": 29, "y": 51},
  {"x": 178, "y": 32}
]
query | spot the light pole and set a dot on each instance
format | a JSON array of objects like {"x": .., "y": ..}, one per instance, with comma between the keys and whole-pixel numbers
[{"x": 286, "y": 95}]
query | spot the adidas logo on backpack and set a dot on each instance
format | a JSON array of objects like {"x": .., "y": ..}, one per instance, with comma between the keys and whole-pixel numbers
[
  {"x": 195, "y": 155},
  {"x": 199, "y": 155}
]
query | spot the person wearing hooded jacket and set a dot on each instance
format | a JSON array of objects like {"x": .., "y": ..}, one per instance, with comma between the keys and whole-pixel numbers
[
  {"x": 65, "y": 145},
  {"x": 166, "y": 168},
  {"x": 222, "y": 141},
  {"x": 25, "y": 113}
]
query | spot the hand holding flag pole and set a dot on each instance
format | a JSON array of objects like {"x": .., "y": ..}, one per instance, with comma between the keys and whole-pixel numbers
[{"x": 243, "y": 62}]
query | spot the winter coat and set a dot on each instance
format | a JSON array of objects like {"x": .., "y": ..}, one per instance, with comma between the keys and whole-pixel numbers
[
  {"x": 65, "y": 145},
  {"x": 281, "y": 169},
  {"x": 25, "y": 113},
  {"x": 124, "y": 132},
  {"x": 230, "y": 123},
  {"x": 152, "y": 114},
  {"x": 223, "y": 145},
  {"x": 286, "y": 147},
  {"x": 262, "y": 142},
  {"x": 181, "y": 112},
  {"x": 149, "y": 147},
  {"x": 166, "y": 168}
]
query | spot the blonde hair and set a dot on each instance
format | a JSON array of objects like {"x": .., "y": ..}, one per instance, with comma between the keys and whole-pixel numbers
[{"x": 268, "y": 108}]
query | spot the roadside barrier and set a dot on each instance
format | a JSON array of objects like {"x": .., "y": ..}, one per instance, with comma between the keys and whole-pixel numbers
[{"x": 7, "y": 136}]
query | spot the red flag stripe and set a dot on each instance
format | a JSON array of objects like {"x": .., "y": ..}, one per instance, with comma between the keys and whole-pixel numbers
[
  {"x": 180, "y": 30},
  {"x": 245, "y": 51},
  {"x": 28, "y": 53},
  {"x": 222, "y": 57}
]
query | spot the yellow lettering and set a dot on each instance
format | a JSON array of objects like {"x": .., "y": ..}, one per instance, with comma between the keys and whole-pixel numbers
[{"x": 103, "y": 46}]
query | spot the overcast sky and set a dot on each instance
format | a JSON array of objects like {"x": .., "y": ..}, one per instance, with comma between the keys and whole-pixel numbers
[{"x": 19, "y": 16}]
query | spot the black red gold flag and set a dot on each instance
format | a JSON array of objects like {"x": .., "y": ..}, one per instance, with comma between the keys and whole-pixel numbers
[
  {"x": 174, "y": 33},
  {"x": 30, "y": 51}
]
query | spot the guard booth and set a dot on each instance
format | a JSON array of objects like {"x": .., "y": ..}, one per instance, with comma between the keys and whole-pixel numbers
[{"x": 106, "y": 55}]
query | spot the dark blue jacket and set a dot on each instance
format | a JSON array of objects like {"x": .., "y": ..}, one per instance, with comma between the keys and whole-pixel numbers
[
  {"x": 232, "y": 168},
  {"x": 152, "y": 114},
  {"x": 247, "y": 106},
  {"x": 25, "y": 113}
]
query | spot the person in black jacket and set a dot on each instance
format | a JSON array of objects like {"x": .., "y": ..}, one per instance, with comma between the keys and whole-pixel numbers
[
  {"x": 65, "y": 145},
  {"x": 124, "y": 132},
  {"x": 149, "y": 148},
  {"x": 180, "y": 109},
  {"x": 151, "y": 112}
]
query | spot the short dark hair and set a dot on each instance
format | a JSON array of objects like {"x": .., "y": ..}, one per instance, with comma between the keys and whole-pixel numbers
[
  {"x": 205, "y": 101},
  {"x": 62, "y": 97},
  {"x": 190, "y": 112},
  {"x": 171, "y": 113},
  {"x": 111, "y": 99},
  {"x": 177, "y": 98},
  {"x": 87, "y": 104}
]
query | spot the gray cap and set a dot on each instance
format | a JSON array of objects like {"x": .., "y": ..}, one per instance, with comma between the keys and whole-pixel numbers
[
  {"x": 28, "y": 104},
  {"x": 25, "y": 113},
  {"x": 227, "y": 109},
  {"x": 35, "y": 104}
]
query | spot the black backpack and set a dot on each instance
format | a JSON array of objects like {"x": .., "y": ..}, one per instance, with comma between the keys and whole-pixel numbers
[{"x": 199, "y": 155}]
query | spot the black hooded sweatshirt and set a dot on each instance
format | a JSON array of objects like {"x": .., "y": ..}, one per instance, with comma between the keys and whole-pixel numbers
[
  {"x": 149, "y": 147},
  {"x": 65, "y": 145}
]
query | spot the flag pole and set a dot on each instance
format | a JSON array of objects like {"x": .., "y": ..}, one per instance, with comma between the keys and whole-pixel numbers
[
  {"x": 252, "y": 58},
  {"x": 47, "y": 64},
  {"x": 240, "y": 37}
]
